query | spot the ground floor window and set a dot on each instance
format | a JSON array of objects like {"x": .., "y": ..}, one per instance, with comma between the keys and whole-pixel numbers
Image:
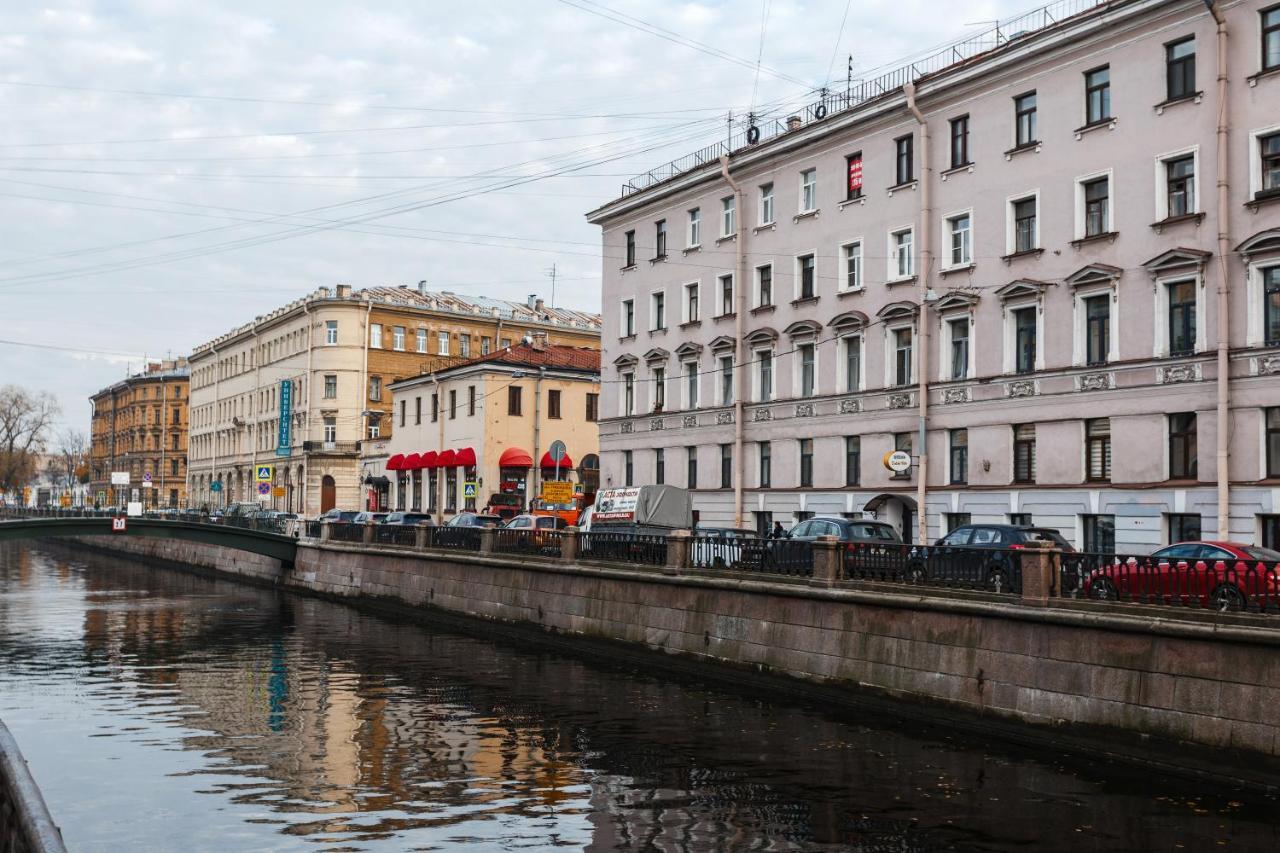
[
  {"x": 764, "y": 523},
  {"x": 433, "y": 499},
  {"x": 450, "y": 489},
  {"x": 956, "y": 519},
  {"x": 1270, "y": 531},
  {"x": 1099, "y": 533},
  {"x": 1183, "y": 527},
  {"x": 1020, "y": 518}
]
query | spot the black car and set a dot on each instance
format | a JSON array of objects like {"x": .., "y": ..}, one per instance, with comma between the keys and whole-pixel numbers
[
  {"x": 473, "y": 519},
  {"x": 981, "y": 555},
  {"x": 401, "y": 517},
  {"x": 844, "y": 529}
]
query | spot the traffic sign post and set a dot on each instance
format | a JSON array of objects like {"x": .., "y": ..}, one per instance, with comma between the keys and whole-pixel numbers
[
  {"x": 470, "y": 489},
  {"x": 557, "y": 453},
  {"x": 264, "y": 489},
  {"x": 265, "y": 473}
]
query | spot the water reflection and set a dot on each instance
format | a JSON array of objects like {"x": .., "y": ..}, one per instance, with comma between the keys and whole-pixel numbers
[{"x": 163, "y": 711}]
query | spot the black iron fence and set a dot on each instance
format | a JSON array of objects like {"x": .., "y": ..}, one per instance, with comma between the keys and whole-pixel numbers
[
  {"x": 749, "y": 554},
  {"x": 534, "y": 543},
  {"x": 1233, "y": 584},
  {"x": 992, "y": 569},
  {"x": 346, "y": 531},
  {"x": 454, "y": 538},
  {"x": 404, "y": 535},
  {"x": 645, "y": 549}
]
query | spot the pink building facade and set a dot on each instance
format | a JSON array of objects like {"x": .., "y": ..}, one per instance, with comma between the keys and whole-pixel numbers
[{"x": 1033, "y": 239}]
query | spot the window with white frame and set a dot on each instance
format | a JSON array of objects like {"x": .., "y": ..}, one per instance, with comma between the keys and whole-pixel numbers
[
  {"x": 1179, "y": 329},
  {"x": 727, "y": 306},
  {"x": 657, "y": 311},
  {"x": 660, "y": 239},
  {"x": 442, "y": 343},
  {"x": 764, "y": 375},
  {"x": 1264, "y": 162},
  {"x": 1025, "y": 338},
  {"x": 1177, "y": 184},
  {"x": 728, "y": 226},
  {"x": 627, "y": 402},
  {"x": 851, "y": 363},
  {"x": 806, "y": 276},
  {"x": 628, "y": 324},
  {"x": 330, "y": 332},
  {"x": 901, "y": 261},
  {"x": 724, "y": 370},
  {"x": 901, "y": 357},
  {"x": 692, "y": 307},
  {"x": 956, "y": 344},
  {"x": 808, "y": 190},
  {"x": 375, "y": 335},
  {"x": 960, "y": 233},
  {"x": 695, "y": 228},
  {"x": 806, "y": 360},
  {"x": 1095, "y": 342},
  {"x": 464, "y": 346},
  {"x": 420, "y": 340},
  {"x": 659, "y": 387},
  {"x": 1094, "y": 213},
  {"x": 1264, "y": 292},
  {"x": 766, "y": 204},
  {"x": 397, "y": 338},
  {"x": 691, "y": 382},
  {"x": 764, "y": 285},
  {"x": 1023, "y": 230},
  {"x": 851, "y": 255}
]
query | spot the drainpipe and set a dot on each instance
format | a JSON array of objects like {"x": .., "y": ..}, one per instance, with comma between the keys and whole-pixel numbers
[
  {"x": 437, "y": 493},
  {"x": 213, "y": 450},
  {"x": 255, "y": 416},
  {"x": 363, "y": 398},
  {"x": 1224, "y": 328},
  {"x": 306, "y": 419},
  {"x": 740, "y": 366},
  {"x": 922, "y": 331},
  {"x": 537, "y": 436}
]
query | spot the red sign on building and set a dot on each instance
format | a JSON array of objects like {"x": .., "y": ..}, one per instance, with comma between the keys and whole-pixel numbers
[{"x": 855, "y": 177}]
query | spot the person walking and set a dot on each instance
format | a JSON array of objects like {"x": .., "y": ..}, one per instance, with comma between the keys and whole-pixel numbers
[{"x": 777, "y": 532}]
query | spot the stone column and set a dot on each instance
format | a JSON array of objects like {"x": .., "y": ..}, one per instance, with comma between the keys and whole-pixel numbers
[
  {"x": 326, "y": 530},
  {"x": 677, "y": 552},
  {"x": 420, "y": 535},
  {"x": 569, "y": 545},
  {"x": 488, "y": 539},
  {"x": 366, "y": 535},
  {"x": 1040, "y": 570},
  {"x": 828, "y": 561}
]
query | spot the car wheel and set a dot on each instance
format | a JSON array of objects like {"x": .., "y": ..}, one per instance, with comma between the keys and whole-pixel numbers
[
  {"x": 998, "y": 581},
  {"x": 1228, "y": 598},
  {"x": 1103, "y": 590}
]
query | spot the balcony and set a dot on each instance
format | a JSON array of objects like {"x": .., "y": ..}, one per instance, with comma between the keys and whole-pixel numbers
[{"x": 332, "y": 448}]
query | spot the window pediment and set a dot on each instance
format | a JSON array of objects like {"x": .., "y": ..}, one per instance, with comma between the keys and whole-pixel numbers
[
  {"x": 1177, "y": 259},
  {"x": 656, "y": 354},
  {"x": 956, "y": 300},
  {"x": 849, "y": 321},
  {"x": 761, "y": 336},
  {"x": 1022, "y": 288},
  {"x": 688, "y": 350},
  {"x": 902, "y": 310},
  {"x": 1094, "y": 274},
  {"x": 723, "y": 342},
  {"x": 803, "y": 329},
  {"x": 1262, "y": 243},
  {"x": 625, "y": 360}
]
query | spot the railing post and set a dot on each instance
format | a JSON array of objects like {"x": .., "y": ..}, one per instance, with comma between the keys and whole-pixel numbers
[
  {"x": 366, "y": 535},
  {"x": 827, "y": 556},
  {"x": 1040, "y": 563},
  {"x": 420, "y": 535},
  {"x": 488, "y": 539},
  {"x": 677, "y": 552},
  {"x": 569, "y": 545},
  {"x": 326, "y": 530}
]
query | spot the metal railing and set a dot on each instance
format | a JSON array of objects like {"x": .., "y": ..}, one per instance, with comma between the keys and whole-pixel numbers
[
  {"x": 1234, "y": 585},
  {"x": 454, "y": 538},
  {"x": 346, "y": 531},
  {"x": 639, "y": 548},
  {"x": 991, "y": 569},
  {"x": 533, "y": 543},
  {"x": 750, "y": 554},
  {"x": 405, "y": 535},
  {"x": 25, "y": 823}
]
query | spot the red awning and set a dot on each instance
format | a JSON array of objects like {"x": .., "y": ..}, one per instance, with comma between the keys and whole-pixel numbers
[
  {"x": 396, "y": 463},
  {"x": 466, "y": 457},
  {"x": 514, "y": 457},
  {"x": 447, "y": 459},
  {"x": 412, "y": 462},
  {"x": 430, "y": 459},
  {"x": 548, "y": 462}
]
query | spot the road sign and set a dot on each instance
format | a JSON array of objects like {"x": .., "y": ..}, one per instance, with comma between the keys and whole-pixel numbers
[
  {"x": 264, "y": 488},
  {"x": 266, "y": 473},
  {"x": 118, "y": 525},
  {"x": 146, "y": 480},
  {"x": 102, "y": 497},
  {"x": 65, "y": 500},
  {"x": 134, "y": 508},
  {"x": 215, "y": 486},
  {"x": 897, "y": 461},
  {"x": 277, "y": 492},
  {"x": 557, "y": 451},
  {"x": 557, "y": 492},
  {"x": 119, "y": 478},
  {"x": 470, "y": 489}
]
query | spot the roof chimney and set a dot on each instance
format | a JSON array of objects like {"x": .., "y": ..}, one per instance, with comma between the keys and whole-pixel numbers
[
  {"x": 532, "y": 300},
  {"x": 344, "y": 291},
  {"x": 422, "y": 288},
  {"x": 538, "y": 306},
  {"x": 794, "y": 122},
  {"x": 537, "y": 340},
  {"x": 322, "y": 292}
]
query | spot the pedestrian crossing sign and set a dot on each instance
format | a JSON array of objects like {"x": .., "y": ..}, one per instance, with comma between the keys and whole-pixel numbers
[
  {"x": 265, "y": 473},
  {"x": 469, "y": 490}
]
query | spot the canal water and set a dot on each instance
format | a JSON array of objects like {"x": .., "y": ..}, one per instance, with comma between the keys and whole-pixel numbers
[{"x": 162, "y": 711}]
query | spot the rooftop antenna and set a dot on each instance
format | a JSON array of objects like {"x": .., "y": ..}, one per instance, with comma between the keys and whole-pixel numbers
[
  {"x": 848, "y": 78},
  {"x": 552, "y": 274}
]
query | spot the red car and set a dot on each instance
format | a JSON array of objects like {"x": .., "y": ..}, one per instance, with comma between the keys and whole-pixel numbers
[{"x": 1221, "y": 575}]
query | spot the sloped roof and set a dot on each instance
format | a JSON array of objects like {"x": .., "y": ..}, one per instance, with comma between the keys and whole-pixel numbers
[
  {"x": 557, "y": 356},
  {"x": 481, "y": 306}
]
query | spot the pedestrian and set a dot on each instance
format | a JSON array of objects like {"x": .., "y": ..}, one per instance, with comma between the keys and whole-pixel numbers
[{"x": 777, "y": 532}]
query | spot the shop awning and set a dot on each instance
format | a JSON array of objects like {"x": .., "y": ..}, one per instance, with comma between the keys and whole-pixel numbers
[
  {"x": 430, "y": 459},
  {"x": 548, "y": 462},
  {"x": 447, "y": 459},
  {"x": 466, "y": 457},
  {"x": 412, "y": 462},
  {"x": 395, "y": 463},
  {"x": 514, "y": 457}
]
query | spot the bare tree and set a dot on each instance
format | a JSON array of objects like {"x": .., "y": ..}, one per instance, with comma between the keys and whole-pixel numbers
[
  {"x": 25, "y": 420},
  {"x": 73, "y": 458}
]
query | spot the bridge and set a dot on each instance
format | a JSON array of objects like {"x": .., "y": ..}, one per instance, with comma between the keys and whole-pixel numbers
[{"x": 266, "y": 543}]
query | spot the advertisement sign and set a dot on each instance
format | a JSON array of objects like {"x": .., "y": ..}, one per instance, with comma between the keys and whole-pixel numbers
[
  {"x": 855, "y": 176},
  {"x": 119, "y": 478},
  {"x": 616, "y": 504},
  {"x": 215, "y": 486},
  {"x": 897, "y": 461},
  {"x": 277, "y": 492},
  {"x": 134, "y": 508},
  {"x": 284, "y": 438},
  {"x": 557, "y": 492}
]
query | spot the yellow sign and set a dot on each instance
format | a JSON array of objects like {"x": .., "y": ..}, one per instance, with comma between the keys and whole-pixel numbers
[
  {"x": 277, "y": 492},
  {"x": 265, "y": 473},
  {"x": 557, "y": 492},
  {"x": 65, "y": 500}
]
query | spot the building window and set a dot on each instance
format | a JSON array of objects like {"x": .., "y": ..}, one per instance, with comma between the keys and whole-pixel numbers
[
  {"x": 764, "y": 285},
  {"x": 957, "y": 519},
  {"x": 959, "y": 142},
  {"x": 808, "y": 369},
  {"x": 486, "y": 345},
  {"x": 959, "y": 457},
  {"x": 1271, "y": 38},
  {"x": 1180, "y": 68},
  {"x": 902, "y": 342},
  {"x": 659, "y": 388},
  {"x": 1271, "y": 305},
  {"x": 852, "y": 460},
  {"x": 691, "y": 385},
  {"x": 330, "y": 386},
  {"x": 904, "y": 160},
  {"x": 660, "y": 239},
  {"x": 330, "y": 430},
  {"x": 1182, "y": 446},
  {"x": 1097, "y": 433},
  {"x": 900, "y": 258},
  {"x": 442, "y": 340},
  {"x": 628, "y": 394},
  {"x": 553, "y": 404},
  {"x": 764, "y": 523},
  {"x": 902, "y": 441},
  {"x": 1024, "y": 118},
  {"x": 765, "y": 450},
  {"x": 374, "y": 429},
  {"x": 691, "y": 467},
  {"x": 628, "y": 317},
  {"x": 1180, "y": 186},
  {"x": 659, "y": 466},
  {"x": 695, "y": 228},
  {"x": 471, "y": 401},
  {"x": 464, "y": 346},
  {"x": 330, "y": 332},
  {"x": 1182, "y": 317},
  {"x": 766, "y": 204},
  {"x": 420, "y": 340},
  {"x": 1097, "y": 207},
  {"x": 805, "y": 273},
  {"x": 960, "y": 228},
  {"x": 959, "y": 330},
  {"x": 764, "y": 363},
  {"x": 1097, "y": 332},
  {"x": 375, "y": 388},
  {"x": 514, "y": 408},
  {"x": 631, "y": 249},
  {"x": 1024, "y": 453},
  {"x": 726, "y": 380},
  {"x": 691, "y": 312},
  {"x": 397, "y": 338},
  {"x": 435, "y": 407},
  {"x": 726, "y": 466},
  {"x": 1099, "y": 534},
  {"x": 1270, "y": 525},
  {"x": 1024, "y": 332},
  {"x": 1183, "y": 527},
  {"x": 1097, "y": 95},
  {"x": 852, "y": 346},
  {"x": 658, "y": 311},
  {"x": 726, "y": 295},
  {"x": 853, "y": 173},
  {"x": 728, "y": 210},
  {"x": 808, "y": 190},
  {"x": 1026, "y": 237},
  {"x": 593, "y": 407},
  {"x": 375, "y": 335},
  {"x": 852, "y": 253},
  {"x": 1269, "y": 152},
  {"x": 628, "y": 468},
  {"x": 806, "y": 463},
  {"x": 417, "y": 410},
  {"x": 1020, "y": 519},
  {"x": 453, "y": 403}
]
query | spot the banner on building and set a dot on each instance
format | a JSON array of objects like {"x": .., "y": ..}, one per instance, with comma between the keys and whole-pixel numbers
[{"x": 284, "y": 438}]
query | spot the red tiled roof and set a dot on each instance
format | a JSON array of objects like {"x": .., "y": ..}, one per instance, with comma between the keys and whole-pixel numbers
[{"x": 549, "y": 355}]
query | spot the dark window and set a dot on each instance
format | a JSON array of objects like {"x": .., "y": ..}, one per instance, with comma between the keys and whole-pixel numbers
[
  {"x": 764, "y": 523},
  {"x": 1180, "y": 177},
  {"x": 1024, "y": 112},
  {"x": 1097, "y": 94},
  {"x": 1024, "y": 225},
  {"x": 691, "y": 467},
  {"x": 1024, "y": 324},
  {"x": 628, "y": 468},
  {"x": 553, "y": 404},
  {"x": 659, "y": 466},
  {"x": 726, "y": 295},
  {"x": 902, "y": 441},
  {"x": 1098, "y": 449},
  {"x": 766, "y": 284},
  {"x": 1020, "y": 518},
  {"x": 1271, "y": 38},
  {"x": 453, "y": 403},
  {"x": 1270, "y": 531},
  {"x": 766, "y": 464},
  {"x": 1099, "y": 534},
  {"x": 660, "y": 238},
  {"x": 959, "y": 457},
  {"x": 726, "y": 466},
  {"x": 513, "y": 401},
  {"x": 957, "y": 519},
  {"x": 1184, "y": 527},
  {"x": 593, "y": 407},
  {"x": 471, "y": 400},
  {"x": 417, "y": 410},
  {"x": 852, "y": 460},
  {"x": 628, "y": 318},
  {"x": 435, "y": 407},
  {"x": 404, "y": 411},
  {"x": 904, "y": 159},
  {"x": 631, "y": 248},
  {"x": 853, "y": 173},
  {"x": 806, "y": 462},
  {"x": 1182, "y": 446},
  {"x": 1269, "y": 151},
  {"x": 959, "y": 349},
  {"x": 1273, "y": 442},
  {"x": 1024, "y": 453},
  {"x": 902, "y": 357},
  {"x": 1180, "y": 68},
  {"x": 806, "y": 276},
  {"x": 1182, "y": 317},
  {"x": 1097, "y": 204},
  {"x": 1097, "y": 334},
  {"x": 1271, "y": 304},
  {"x": 959, "y": 142}
]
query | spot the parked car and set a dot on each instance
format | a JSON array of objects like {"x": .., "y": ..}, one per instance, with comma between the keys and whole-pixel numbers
[
  {"x": 538, "y": 522},
  {"x": 366, "y": 517},
  {"x": 844, "y": 529},
  {"x": 504, "y": 505},
  {"x": 981, "y": 555},
  {"x": 720, "y": 547},
  {"x": 1013, "y": 536},
  {"x": 342, "y": 515},
  {"x": 473, "y": 519},
  {"x": 408, "y": 518},
  {"x": 1221, "y": 575}
]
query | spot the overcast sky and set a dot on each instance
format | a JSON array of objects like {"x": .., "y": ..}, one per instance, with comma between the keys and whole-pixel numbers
[{"x": 170, "y": 169}]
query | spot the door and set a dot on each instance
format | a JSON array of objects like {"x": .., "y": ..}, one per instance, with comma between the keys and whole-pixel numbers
[{"x": 328, "y": 494}]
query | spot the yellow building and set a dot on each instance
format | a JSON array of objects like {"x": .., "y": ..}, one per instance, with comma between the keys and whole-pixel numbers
[{"x": 491, "y": 421}]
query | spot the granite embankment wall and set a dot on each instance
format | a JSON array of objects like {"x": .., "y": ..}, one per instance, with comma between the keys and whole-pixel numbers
[{"x": 1190, "y": 691}]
